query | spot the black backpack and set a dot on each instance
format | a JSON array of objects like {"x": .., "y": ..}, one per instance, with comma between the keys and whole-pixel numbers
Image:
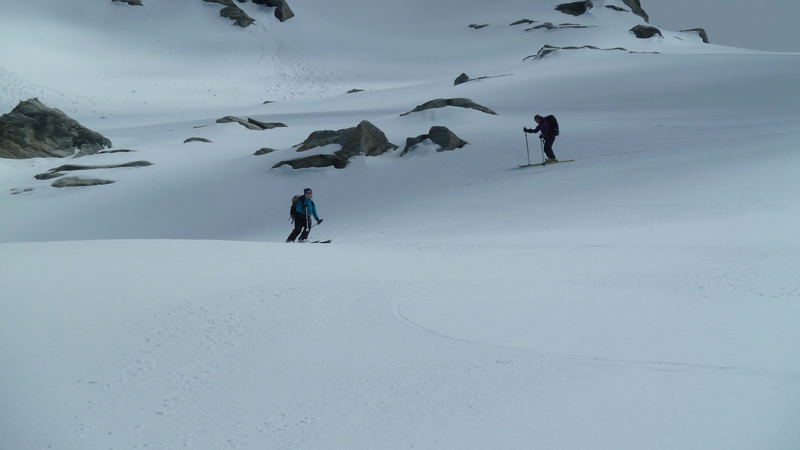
[
  {"x": 293, "y": 211},
  {"x": 553, "y": 125}
]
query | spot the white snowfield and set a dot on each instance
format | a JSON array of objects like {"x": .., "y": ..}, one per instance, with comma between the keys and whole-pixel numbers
[{"x": 644, "y": 296}]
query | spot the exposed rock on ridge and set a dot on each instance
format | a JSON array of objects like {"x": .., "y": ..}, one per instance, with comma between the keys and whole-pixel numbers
[{"x": 32, "y": 130}]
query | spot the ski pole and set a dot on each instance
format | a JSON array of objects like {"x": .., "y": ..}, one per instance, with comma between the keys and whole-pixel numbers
[
  {"x": 541, "y": 139},
  {"x": 527, "y": 149}
]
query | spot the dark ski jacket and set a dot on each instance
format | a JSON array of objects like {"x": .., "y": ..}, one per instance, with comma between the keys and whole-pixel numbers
[
  {"x": 300, "y": 208},
  {"x": 544, "y": 128}
]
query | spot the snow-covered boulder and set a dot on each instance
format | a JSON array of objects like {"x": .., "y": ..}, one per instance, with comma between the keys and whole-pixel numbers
[{"x": 364, "y": 139}]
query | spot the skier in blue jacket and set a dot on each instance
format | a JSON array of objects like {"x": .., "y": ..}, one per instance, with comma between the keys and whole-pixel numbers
[
  {"x": 547, "y": 135},
  {"x": 303, "y": 211}
]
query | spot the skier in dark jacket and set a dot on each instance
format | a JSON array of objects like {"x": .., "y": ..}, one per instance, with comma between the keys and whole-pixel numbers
[
  {"x": 303, "y": 211},
  {"x": 547, "y": 135}
]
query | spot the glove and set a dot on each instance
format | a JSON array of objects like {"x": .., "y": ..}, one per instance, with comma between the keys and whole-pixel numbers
[
  {"x": 319, "y": 221},
  {"x": 527, "y": 130}
]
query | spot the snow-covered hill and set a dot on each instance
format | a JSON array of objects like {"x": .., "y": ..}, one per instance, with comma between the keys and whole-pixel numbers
[{"x": 643, "y": 296}]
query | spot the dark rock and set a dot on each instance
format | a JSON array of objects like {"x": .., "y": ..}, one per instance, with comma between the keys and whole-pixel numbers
[
  {"x": 478, "y": 27},
  {"x": 364, "y": 139},
  {"x": 79, "y": 182},
  {"x": 617, "y": 8},
  {"x": 445, "y": 139},
  {"x": 461, "y": 79},
  {"x": 318, "y": 161},
  {"x": 575, "y": 8},
  {"x": 74, "y": 167},
  {"x": 354, "y": 91},
  {"x": 701, "y": 32},
  {"x": 636, "y": 8},
  {"x": 265, "y": 125},
  {"x": 32, "y": 130},
  {"x": 233, "y": 12},
  {"x": 242, "y": 122},
  {"x": 130, "y": 2},
  {"x": 548, "y": 49},
  {"x": 239, "y": 17},
  {"x": 550, "y": 26},
  {"x": 282, "y": 10},
  {"x": 264, "y": 151},
  {"x": 441, "y": 136},
  {"x": 523, "y": 22},
  {"x": 645, "y": 31},
  {"x": 322, "y": 138},
  {"x": 121, "y": 150},
  {"x": 48, "y": 175},
  {"x": 457, "y": 102},
  {"x": 196, "y": 139}
]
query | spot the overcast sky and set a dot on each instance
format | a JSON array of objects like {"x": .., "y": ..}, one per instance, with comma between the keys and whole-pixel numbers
[{"x": 756, "y": 24}]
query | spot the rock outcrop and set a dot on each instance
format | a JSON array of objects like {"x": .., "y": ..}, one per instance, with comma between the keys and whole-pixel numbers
[
  {"x": 461, "y": 79},
  {"x": 548, "y": 49},
  {"x": 196, "y": 139},
  {"x": 441, "y": 136},
  {"x": 250, "y": 123},
  {"x": 282, "y": 10},
  {"x": 74, "y": 167},
  {"x": 575, "y": 8},
  {"x": 700, "y": 32},
  {"x": 364, "y": 139},
  {"x": 457, "y": 102},
  {"x": 636, "y": 8},
  {"x": 239, "y": 17},
  {"x": 32, "y": 130},
  {"x": 130, "y": 2},
  {"x": 645, "y": 31},
  {"x": 264, "y": 151},
  {"x": 79, "y": 182},
  {"x": 233, "y": 12}
]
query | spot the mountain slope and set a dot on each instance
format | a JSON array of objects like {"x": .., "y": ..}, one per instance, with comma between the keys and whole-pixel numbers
[{"x": 643, "y": 296}]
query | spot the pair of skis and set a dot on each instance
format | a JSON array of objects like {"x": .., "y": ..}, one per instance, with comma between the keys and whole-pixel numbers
[{"x": 544, "y": 162}]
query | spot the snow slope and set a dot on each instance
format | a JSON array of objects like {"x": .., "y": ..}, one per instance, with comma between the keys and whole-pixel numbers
[{"x": 643, "y": 296}]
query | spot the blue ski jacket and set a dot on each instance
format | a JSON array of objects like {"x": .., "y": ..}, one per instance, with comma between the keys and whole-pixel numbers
[{"x": 302, "y": 204}]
